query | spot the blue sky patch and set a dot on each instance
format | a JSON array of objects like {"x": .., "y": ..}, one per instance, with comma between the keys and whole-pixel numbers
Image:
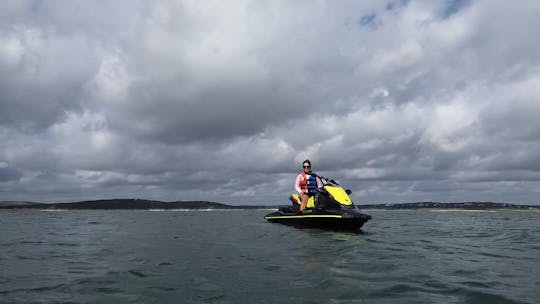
[
  {"x": 368, "y": 20},
  {"x": 395, "y": 5},
  {"x": 452, "y": 7}
]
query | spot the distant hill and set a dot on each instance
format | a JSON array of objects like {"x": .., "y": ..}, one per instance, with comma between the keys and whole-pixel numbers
[
  {"x": 110, "y": 204},
  {"x": 16, "y": 204},
  {"x": 136, "y": 204}
]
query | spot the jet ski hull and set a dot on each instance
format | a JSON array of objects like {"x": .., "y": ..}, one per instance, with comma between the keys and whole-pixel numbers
[{"x": 323, "y": 220}]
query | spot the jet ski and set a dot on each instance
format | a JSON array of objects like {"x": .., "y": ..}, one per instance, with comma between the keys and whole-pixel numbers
[{"x": 330, "y": 208}]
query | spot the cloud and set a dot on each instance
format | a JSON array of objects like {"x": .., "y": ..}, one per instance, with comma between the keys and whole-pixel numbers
[
  {"x": 8, "y": 174},
  {"x": 403, "y": 100}
]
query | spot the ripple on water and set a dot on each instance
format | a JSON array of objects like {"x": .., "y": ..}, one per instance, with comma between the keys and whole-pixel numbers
[
  {"x": 34, "y": 289},
  {"x": 469, "y": 296},
  {"x": 63, "y": 244},
  {"x": 138, "y": 260},
  {"x": 137, "y": 273},
  {"x": 31, "y": 242},
  {"x": 480, "y": 284},
  {"x": 163, "y": 288},
  {"x": 30, "y": 257},
  {"x": 396, "y": 290},
  {"x": 108, "y": 290}
]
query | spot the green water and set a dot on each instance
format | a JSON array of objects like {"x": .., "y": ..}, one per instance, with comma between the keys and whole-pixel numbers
[{"x": 236, "y": 257}]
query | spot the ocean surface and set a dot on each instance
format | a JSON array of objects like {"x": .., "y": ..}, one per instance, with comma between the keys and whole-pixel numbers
[{"x": 412, "y": 256}]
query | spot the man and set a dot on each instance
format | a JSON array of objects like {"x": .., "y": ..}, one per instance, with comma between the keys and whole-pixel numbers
[{"x": 306, "y": 184}]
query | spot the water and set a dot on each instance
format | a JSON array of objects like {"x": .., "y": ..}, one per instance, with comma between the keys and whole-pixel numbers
[{"x": 236, "y": 257}]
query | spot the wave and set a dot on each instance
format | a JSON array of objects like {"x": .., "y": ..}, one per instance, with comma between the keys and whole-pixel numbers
[
  {"x": 204, "y": 210},
  {"x": 461, "y": 210}
]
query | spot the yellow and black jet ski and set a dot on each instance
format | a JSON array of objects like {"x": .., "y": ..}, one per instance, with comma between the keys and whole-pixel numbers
[{"x": 330, "y": 208}]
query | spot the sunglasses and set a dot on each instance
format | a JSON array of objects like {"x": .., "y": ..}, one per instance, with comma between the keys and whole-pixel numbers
[{"x": 307, "y": 166}]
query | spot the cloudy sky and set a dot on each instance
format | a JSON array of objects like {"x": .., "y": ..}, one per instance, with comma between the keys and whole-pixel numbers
[{"x": 401, "y": 100}]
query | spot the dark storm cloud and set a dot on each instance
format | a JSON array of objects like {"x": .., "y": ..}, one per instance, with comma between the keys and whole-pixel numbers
[
  {"x": 9, "y": 174},
  {"x": 403, "y": 100},
  {"x": 36, "y": 90}
]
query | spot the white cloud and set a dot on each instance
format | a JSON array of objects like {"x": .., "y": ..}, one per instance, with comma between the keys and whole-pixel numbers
[
  {"x": 451, "y": 126},
  {"x": 112, "y": 81}
]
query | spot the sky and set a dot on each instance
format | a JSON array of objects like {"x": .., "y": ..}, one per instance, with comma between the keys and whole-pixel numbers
[{"x": 399, "y": 100}]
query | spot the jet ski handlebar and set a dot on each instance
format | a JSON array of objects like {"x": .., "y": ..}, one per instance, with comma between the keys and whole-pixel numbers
[{"x": 325, "y": 179}]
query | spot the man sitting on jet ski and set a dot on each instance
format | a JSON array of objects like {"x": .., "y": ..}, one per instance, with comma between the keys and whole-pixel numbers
[{"x": 306, "y": 184}]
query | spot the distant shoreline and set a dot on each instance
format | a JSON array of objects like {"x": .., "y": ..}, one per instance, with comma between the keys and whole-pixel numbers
[
  {"x": 141, "y": 204},
  {"x": 451, "y": 206}
]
